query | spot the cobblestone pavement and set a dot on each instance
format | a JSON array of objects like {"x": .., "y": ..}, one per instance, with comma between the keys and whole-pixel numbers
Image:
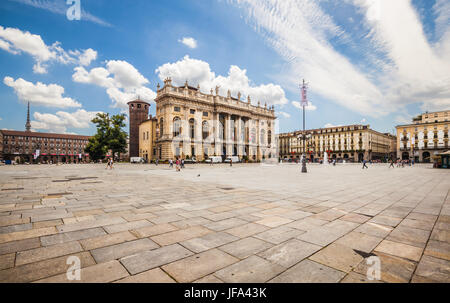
[{"x": 246, "y": 223}]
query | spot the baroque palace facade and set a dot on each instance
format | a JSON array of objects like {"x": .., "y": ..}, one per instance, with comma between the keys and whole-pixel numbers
[
  {"x": 425, "y": 137},
  {"x": 351, "y": 143},
  {"x": 190, "y": 123}
]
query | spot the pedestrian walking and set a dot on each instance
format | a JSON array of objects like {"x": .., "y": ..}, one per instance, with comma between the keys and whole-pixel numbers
[
  {"x": 156, "y": 162},
  {"x": 111, "y": 164},
  {"x": 231, "y": 162},
  {"x": 392, "y": 164},
  {"x": 170, "y": 163},
  {"x": 108, "y": 163},
  {"x": 182, "y": 163},
  {"x": 177, "y": 163},
  {"x": 364, "y": 164}
]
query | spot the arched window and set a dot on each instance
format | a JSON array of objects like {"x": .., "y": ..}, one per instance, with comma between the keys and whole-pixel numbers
[
  {"x": 263, "y": 135},
  {"x": 176, "y": 126},
  {"x": 161, "y": 127},
  {"x": 221, "y": 127},
  {"x": 205, "y": 130},
  {"x": 269, "y": 137},
  {"x": 253, "y": 136},
  {"x": 192, "y": 128}
]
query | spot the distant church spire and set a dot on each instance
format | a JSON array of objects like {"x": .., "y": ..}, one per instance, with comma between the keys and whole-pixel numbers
[{"x": 28, "y": 124}]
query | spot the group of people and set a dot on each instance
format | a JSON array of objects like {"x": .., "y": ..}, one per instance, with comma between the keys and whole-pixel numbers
[
  {"x": 401, "y": 163},
  {"x": 179, "y": 164}
]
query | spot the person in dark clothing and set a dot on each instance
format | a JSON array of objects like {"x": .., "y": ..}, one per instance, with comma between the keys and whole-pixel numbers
[{"x": 364, "y": 164}]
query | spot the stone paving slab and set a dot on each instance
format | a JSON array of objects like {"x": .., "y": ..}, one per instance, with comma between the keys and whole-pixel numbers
[
  {"x": 72, "y": 236},
  {"x": 44, "y": 253},
  {"x": 117, "y": 251},
  {"x": 246, "y": 247},
  {"x": 297, "y": 227},
  {"x": 208, "y": 241},
  {"x": 254, "y": 269},
  {"x": 150, "y": 259},
  {"x": 151, "y": 276},
  {"x": 199, "y": 265},
  {"x": 99, "y": 273},
  {"x": 43, "y": 269},
  {"x": 290, "y": 252},
  {"x": 338, "y": 256},
  {"x": 107, "y": 240},
  {"x": 393, "y": 269},
  {"x": 308, "y": 271},
  {"x": 180, "y": 235}
]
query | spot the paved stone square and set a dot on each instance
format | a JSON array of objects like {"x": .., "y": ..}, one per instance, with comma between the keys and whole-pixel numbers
[{"x": 245, "y": 223}]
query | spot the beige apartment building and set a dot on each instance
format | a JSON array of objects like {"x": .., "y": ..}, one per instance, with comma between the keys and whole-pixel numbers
[
  {"x": 147, "y": 137},
  {"x": 351, "y": 143},
  {"x": 194, "y": 124},
  {"x": 425, "y": 137}
]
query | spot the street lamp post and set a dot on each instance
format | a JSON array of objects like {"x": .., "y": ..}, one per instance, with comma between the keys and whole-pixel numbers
[{"x": 304, "y": 103}]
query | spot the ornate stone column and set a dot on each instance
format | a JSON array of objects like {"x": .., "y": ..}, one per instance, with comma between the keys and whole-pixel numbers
[{"x": 217, "y": 140}]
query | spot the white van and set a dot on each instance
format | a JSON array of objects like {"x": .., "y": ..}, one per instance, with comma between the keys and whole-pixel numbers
[
  {"x": 235, "y": 159},
  {"x": 137, "y": 160},
  {"x": 214, "y": 159}
]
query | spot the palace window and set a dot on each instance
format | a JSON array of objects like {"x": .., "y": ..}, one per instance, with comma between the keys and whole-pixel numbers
[
  {"x": 192, "y": 111},
  {"x": 192, "y": 128},
  {"x": 161, "y": 127},
  {"x": 176, "y": 126},
  {"x": 205, "y": 130},
  {"x": 176, "y": 109}
]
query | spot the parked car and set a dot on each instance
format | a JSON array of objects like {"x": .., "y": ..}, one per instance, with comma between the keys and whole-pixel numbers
[
  {"x": 234, "y": 158},
  {"x": 191, "y": 160},
  {"x": 137, "y": 160},
  {"x": 214, "y": 159}
]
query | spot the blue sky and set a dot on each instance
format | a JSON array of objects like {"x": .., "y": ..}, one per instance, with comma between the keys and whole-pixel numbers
[{"x": 375, "y": 62}]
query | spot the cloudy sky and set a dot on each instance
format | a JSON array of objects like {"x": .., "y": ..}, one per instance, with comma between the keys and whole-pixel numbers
[{"x": 376, "y": 62}]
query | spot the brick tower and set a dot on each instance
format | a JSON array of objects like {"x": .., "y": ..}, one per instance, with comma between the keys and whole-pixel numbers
[{"x": 138, "y": 113}]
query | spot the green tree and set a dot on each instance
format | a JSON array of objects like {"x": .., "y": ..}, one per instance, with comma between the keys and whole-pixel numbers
[
  {"x": 109, "y": 136},
  {"x": 117, "y": 138}
]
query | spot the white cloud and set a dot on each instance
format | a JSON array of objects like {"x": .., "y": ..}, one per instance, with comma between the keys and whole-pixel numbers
[
  {"x": 309, "y": 107},
  {"x": 331, "y": 125},
  {"x": 50, "y": 95},
  {"x": 199, "y": 72},
  {"x": 122, "y": 81},
  {"x": 60, "y": 121},
  {"x": 60, "y": 8},
  {"x": 284, "y": 115},
  {"x": 15, "y": 41},
  {"x": 402, "y": 66},
  {"x": 442, "y": 11},
  {"x": 7, "y": 47},
  {"x": 401, "y": 119},
  {"x": 85, "y": 57},
  {"x": 189, "y": 42}
]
